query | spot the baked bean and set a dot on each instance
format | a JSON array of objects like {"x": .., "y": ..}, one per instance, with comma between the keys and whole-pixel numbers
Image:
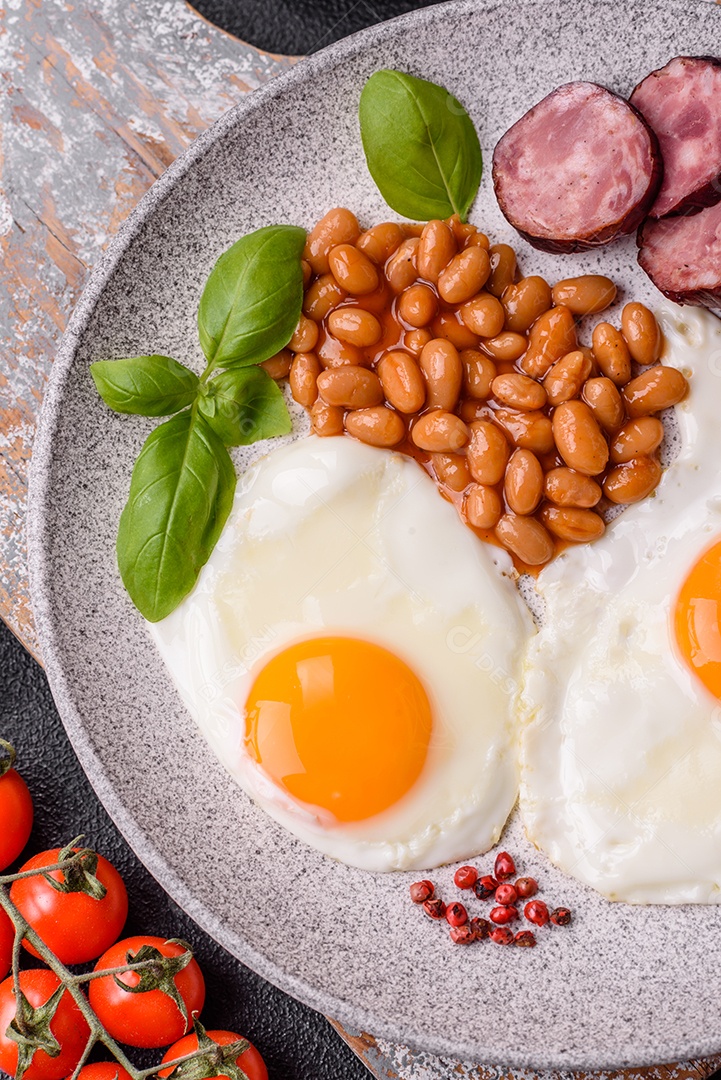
[
  {"x": 488, "y": 452},
  {"x": 334, "y": 353},
  {"x": 439, "y": 432},
  {"x": 657, "y": 388},
  {"x": 565, "y": 379},
  {"x": 323, "y": 295},
  {"x": 402, "y": 382},
  {"x": 642, "y": 333},
  {"x": 478, "y": 239},
  {"x": 465, "y": 275},
  {"x": 326, "y": 419},
  {"x": 632, "y": 481},
  {"x": 436, "y": 249},
  {"x": 452, "y": 471},
  {"x": 417, "y": 305},
  {"x": 305, "y": 336},
  {"x": 379, "y": 243},
  {"x": 566, "y": 487},
  {"x": 412, "y": 228},
  {"x": 278, "y": 366},
  {"x": 353, "y": 270},
  {"x": 377, "y": 426},
  {"x": 339, "y": 226},
  {"x": 519, "y": 392},
  {"x": 484, "y": 315},
  {"x": 462, "y": 230},
  {"x": 530, "y": 430},
  {"x": 506, "y": 346},
  {"x": 479, "y": 371},
  {"x": 503, "y": 268},
  {"x": 585, "y": 295},
  {"x": 351, "y": 387},
  {"x": 526, "y": 538},
  {"x": 443, "y": 373},
  {"x": 307, "y": 272},
  {"x": 482, "y": 506},
  {"x": 523, "y": 485},
  {"x": 304, "y": 372},
  {"x": 448, "y": 325},
  {"x": 470, "y": 410},
  {"x": 611, "y": 352},
  {"x": 355, "y": 326},
  {"x": 604, "y": 401},
  {"x": 552, "y": 336},
  {"x": 638, "y": 437},
  {"x": 415, "y": 340},
  {"x": 570, "y": 523},
  {"x": 401, "y": 270},
  {"x": 579, "y": 439},
  {"x": 524, "y": 302}
]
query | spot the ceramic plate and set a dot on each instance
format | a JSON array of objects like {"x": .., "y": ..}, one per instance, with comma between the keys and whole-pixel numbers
[{"x": 627, "y": 986}]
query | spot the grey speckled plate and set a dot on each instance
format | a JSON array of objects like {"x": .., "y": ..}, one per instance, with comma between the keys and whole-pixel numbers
[{"x": 626, "y": 986}]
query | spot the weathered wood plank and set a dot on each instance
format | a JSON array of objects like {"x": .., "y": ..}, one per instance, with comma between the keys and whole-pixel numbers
[{"x": 97, "y": 99}]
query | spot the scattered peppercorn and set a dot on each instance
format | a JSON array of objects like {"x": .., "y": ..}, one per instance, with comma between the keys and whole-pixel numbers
[
  {"x": 536, "y": 912},
  {"x": 436, "y": 909},
  {"x": 481, "y": 928},
  {"x": 462, "y": 935},
  {"x": 485, "y": 887},
  {"x": 561, "y": 916},
  {"x": 465, "y": 877},
  {"x": 506, "y": 894},
  {"x": 526, "y": 887},
  {"x": 525, "y": 939},
  {"x": 502, "y": 935},
  {"x": 421, "y": 891},
  {"x": 503, "y": 914},
  {"x": 504, "y": 866},
  {"x": 456, "y": 914}
]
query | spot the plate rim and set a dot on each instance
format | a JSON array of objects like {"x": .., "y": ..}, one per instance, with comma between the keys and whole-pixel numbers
[{"x": 40, "y": 472}]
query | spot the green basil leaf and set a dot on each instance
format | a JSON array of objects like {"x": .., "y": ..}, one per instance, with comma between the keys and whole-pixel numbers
[
  {"x": 252, "y": 299},
  {"x": 421, "y": 146},
  {"x": 243, "y": 406},
  {"x": 145, "y": 385},
  {"x": 181, "y": 493}
]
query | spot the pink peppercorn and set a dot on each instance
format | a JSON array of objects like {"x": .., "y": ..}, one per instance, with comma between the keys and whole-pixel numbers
[
  {"x": 485, "y": 887},
  {"x": 536, "y": 912},
  {"x": 561, "y": 916},
  {"x": 465, "y": 877},
  {"x": 421, "y": 891},
  {"x": 506, "y": 894},
  {"x": 526, "y": 887},
  {"x": 526, "y": 939},
  {"x": 456, "y": 914},
  {"x": 436, "y": 909},
  {"x": 503, "y": 914},
  {"x": 502, "y": 935},
  {"x": 504, "y": 867},
  {"x": 462, "y": 935}
]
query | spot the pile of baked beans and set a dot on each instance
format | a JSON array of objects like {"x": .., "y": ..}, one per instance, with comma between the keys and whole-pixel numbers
[{"x": 426, "y": 339}]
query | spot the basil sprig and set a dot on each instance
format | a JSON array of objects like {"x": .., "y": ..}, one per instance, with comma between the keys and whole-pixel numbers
[
  {"x": 183, "y": 482},
  {"x": 421, "y": 146}
]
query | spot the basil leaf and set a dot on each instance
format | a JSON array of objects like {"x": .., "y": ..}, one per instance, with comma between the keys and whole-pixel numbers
[
  {"x": 181, "y": 493},
  {"x": 244, "y": 406},
  {"x": 145, "y": 385},
  {"x": 421, "y": 146},
  {"x": 252, "y": 299}
]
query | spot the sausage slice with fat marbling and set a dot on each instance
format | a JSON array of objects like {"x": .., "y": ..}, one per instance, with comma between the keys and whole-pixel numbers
[
  {"x": 682, "y": 256},
  {"x": 682, "y": 103},
  {"x": 579, "y": 169}
]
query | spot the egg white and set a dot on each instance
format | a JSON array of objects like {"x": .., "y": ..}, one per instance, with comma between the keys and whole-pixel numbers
[
  {"x": 331, "y": 536},
  {"x": 621, "y": 752}
]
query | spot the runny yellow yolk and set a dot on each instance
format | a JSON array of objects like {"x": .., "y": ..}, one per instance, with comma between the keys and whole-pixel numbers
[
  {"x": 698, "y": 619},
  {"x": 341, "y": 724}
]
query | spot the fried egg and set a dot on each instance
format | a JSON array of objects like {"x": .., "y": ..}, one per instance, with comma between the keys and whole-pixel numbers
[
  {"x": 351, "y": 654},
  {"x": 621, "y": 698}
]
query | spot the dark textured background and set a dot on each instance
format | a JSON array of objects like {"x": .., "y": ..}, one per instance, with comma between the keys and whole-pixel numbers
[{"x": 296, "y": 1043}]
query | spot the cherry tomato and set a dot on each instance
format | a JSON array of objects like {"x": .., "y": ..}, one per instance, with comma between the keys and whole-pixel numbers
[
  {"x": 16, "y": 817},
  {"x": 250, "y": 1062},
  {"x": 7, "y": 937},
  {"x": 152, "y": 1018},
  {"x": 75, "y": 926},
  {"x": 68, "y": 1026},
  {"x": 104, "y": 1070}
]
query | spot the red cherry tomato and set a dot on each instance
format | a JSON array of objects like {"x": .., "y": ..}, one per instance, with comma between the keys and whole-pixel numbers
[
  {"x": 104, "y": 1070},
  {"x": 68, "y": 1026},
  {"x": 152, "y": 1018},
  {"x": 16, "y": 817},
  {"x": 75, "y": 926},
  {"x": 7, "y": 937},
  {"x": 250, "y": 1062}
]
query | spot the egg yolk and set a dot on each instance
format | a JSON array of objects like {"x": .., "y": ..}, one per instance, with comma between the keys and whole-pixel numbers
[
  {"x": 698, "y": 619},
  {"x": 341, "y": 724}
]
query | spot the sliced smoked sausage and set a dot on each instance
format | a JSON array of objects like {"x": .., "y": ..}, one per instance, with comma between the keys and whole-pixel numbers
[
  {"x": 682, "y": 256},
  {"x": 579, "y": 169},
  {"x": 682, "y": 103}
]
